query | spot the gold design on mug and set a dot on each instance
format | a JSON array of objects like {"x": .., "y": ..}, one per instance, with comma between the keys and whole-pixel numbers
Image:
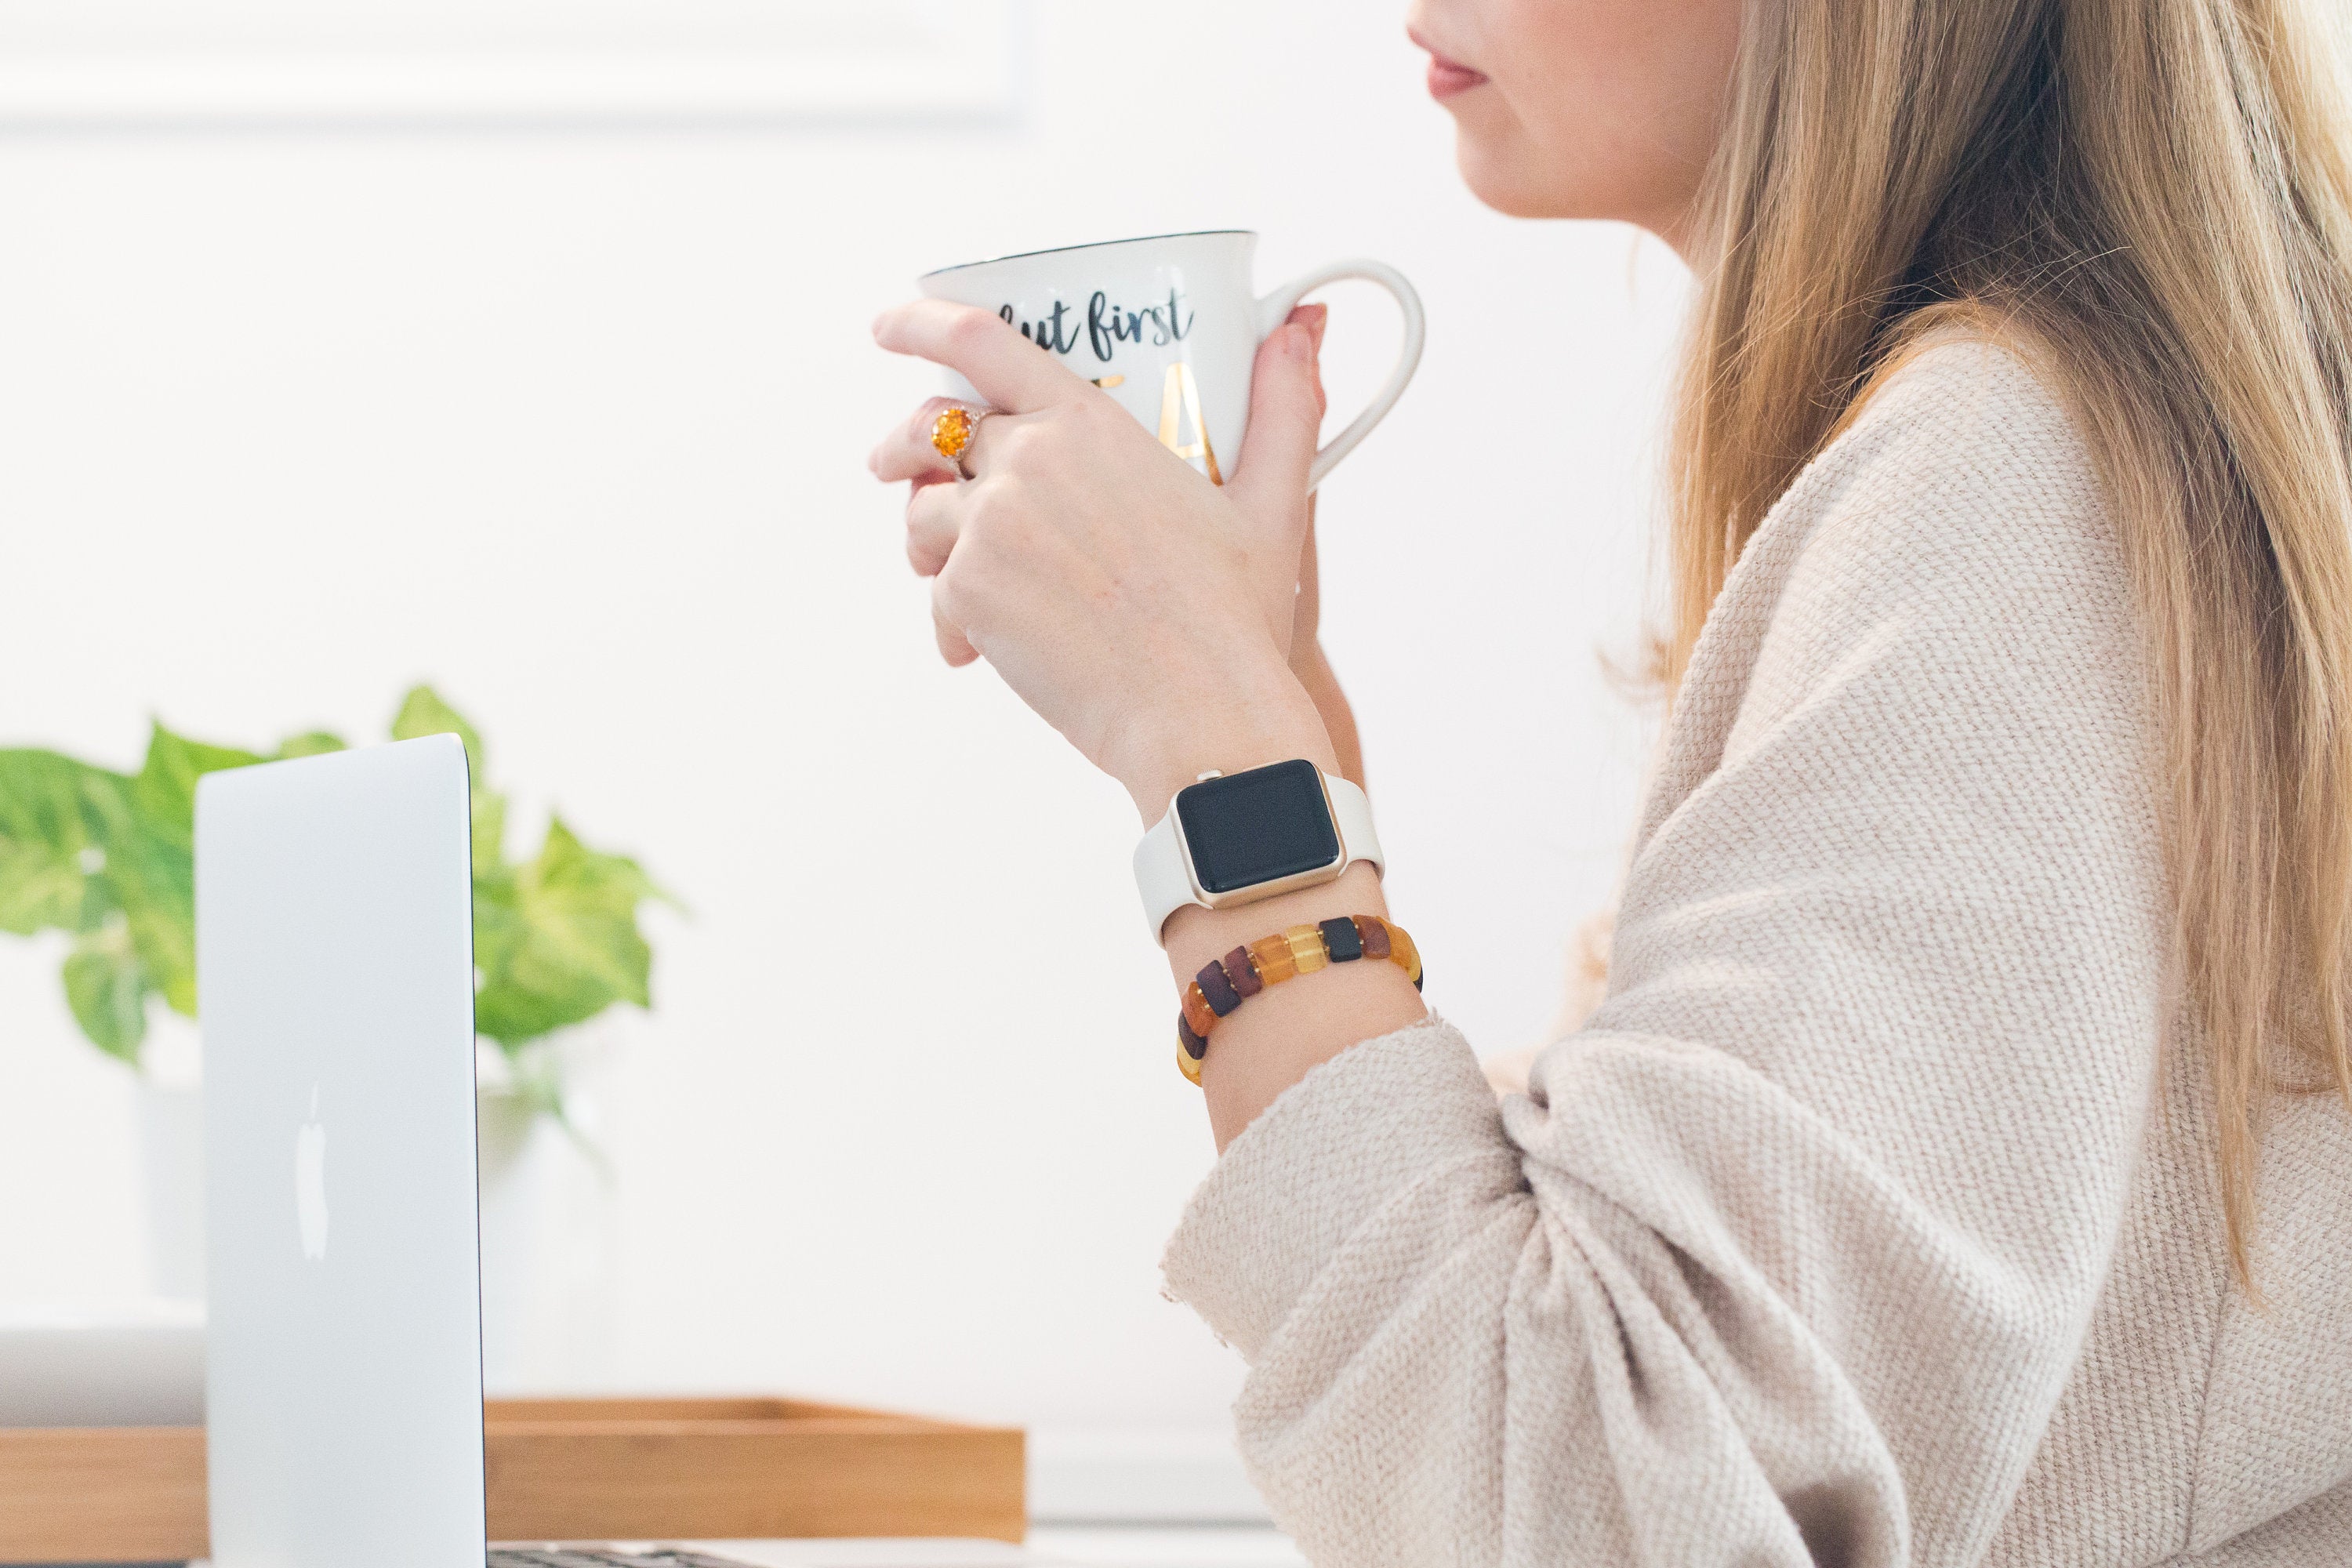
[
  {"x": 1182, "y": 392},
  {"x": 1108, "y": 382}
]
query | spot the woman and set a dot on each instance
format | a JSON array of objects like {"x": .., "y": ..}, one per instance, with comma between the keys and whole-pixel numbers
[{"x": 1958, "y": 1168}]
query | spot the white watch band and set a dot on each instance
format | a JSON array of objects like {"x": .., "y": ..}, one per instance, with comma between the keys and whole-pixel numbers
[{"x": 1163, "y": 872}]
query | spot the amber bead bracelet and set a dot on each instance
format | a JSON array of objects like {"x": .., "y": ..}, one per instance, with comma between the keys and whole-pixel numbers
[{"x": 1225, "y": 984}]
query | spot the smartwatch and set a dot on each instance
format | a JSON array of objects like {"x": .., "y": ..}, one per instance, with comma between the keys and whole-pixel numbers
[{"x": 1233, "y": 839}]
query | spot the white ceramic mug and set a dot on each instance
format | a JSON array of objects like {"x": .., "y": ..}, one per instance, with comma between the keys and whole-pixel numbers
[{"x": 1170, "y": 326}]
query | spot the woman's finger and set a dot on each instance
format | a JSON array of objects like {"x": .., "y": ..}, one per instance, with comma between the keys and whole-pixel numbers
[
  {"x": 906, "y": 453},
  {"x": 934, "y": 519},
  {"x": 1314, "y": 317},
  {"x": 953, "y": 645},
  {"x": 1004, "y": 367},
  {"x": 1285, "y": 413}
]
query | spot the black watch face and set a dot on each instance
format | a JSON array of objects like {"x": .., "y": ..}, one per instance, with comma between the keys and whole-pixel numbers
[{"x": 1257, "y": 826}]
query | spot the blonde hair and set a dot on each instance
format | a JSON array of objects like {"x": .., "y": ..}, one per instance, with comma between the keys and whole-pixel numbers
[{"x": 2153, "y": 199}]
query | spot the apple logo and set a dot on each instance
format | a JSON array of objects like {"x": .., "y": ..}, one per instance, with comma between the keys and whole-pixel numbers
[{"x": 311, "y": 1182}]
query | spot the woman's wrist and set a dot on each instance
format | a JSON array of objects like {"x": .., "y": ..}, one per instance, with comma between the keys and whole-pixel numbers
[
  {"x": 1263, "y": 1048},
  {"x": 1269, "y": 1044},
  {"x": 1271, "y": 719}
]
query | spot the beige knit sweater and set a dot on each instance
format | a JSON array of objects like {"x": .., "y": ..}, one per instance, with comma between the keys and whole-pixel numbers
[{"x": 1871, "y": 1218}]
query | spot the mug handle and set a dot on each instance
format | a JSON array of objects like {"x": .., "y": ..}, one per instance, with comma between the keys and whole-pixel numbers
[{"x": 1275, "y": 308}]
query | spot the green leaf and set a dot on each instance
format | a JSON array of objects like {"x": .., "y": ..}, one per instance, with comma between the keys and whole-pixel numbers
[
  {"x": 150, "y": 871},
  {"x": 422, "y": 712},
  {"x": 69, "y": 841},
  {"x": 37, "y": 889},
  {"x": 558, "y": 941},
  {"x": 309, "y": 744},
  {"x": 107, "y": 987},
  {"x": 43, "y": 837},
  {"x": 155, "y": 885},
  {"x": 165, "y": 793},
  {"x": 489, "y": 833},
  {"x": 58, "y": 821}
]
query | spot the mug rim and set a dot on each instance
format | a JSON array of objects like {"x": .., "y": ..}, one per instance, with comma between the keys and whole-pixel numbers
[{"x": 1083, "y": 245}]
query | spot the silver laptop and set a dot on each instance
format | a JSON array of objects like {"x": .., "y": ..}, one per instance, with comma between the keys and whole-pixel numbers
[{"x": 344, "y": 1367}]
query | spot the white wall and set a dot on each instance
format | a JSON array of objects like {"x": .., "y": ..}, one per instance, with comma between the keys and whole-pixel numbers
[{"x": 574, "y": 424}]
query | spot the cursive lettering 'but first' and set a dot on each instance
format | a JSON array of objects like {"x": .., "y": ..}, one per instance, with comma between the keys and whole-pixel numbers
[{"x": 1108, "y": 325}]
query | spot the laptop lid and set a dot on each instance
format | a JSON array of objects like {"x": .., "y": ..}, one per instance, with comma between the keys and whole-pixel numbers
[{"x": 335, "y": 972}]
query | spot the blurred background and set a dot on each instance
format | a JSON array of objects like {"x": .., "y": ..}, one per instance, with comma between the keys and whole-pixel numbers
[{"x": 521, "y": 349}]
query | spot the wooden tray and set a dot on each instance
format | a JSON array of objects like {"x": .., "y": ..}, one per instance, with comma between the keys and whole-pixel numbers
[{"x": 564, "y": 1469}]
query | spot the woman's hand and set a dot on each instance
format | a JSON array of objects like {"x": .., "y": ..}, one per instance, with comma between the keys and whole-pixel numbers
[
  {"x": 1149, "y": 617},
  {"x": 1144, "y": 612}
]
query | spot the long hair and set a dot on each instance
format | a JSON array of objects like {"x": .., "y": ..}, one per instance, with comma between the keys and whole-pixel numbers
[{"x": 2153, "y": 200}]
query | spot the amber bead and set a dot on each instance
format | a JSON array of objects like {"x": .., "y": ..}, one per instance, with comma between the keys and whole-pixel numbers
[
  {"x": 1307, "y": 948},
  {"x": 1188, "y": 1067},
  {"x": 1243, "y": 972},
  {"x": 1402, "y": 953},
  {"x": 1373, "y": 933},
  {"x": 1272, "y": 956},
  {"x": 1197, "y": 1011}
]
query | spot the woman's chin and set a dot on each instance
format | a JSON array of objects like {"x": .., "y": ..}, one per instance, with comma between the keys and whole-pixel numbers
[
  {"x": 1511, "y": 183},
  {"x": 1519, "y": 180}
]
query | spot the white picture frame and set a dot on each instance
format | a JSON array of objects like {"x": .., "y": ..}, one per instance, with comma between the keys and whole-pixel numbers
[{"x": 132, "y": 63}]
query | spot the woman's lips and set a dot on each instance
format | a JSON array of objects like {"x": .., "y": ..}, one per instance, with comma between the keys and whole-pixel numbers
[{"x": 1448, "y": 77}]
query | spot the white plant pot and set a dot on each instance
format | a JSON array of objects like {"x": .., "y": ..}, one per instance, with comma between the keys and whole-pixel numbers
[
  {"x": 549, "y": 1253},
  {"x": 172, "y": 1179}
]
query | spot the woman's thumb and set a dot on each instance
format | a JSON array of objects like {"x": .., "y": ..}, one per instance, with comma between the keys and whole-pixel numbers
[{"x": 1286, "y": 418}]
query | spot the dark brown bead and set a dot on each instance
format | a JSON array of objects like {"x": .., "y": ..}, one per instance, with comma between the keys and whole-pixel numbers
[
  {"x": 1374, "y": 934},
  {"x": 1194, "y": 1046},
  {"x": 1223, "y": 997},
  {"x": 1243, "y": 972}
]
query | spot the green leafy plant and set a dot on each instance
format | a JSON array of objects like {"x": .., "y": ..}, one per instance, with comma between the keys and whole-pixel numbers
[{"x": 109, "y": 859}]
